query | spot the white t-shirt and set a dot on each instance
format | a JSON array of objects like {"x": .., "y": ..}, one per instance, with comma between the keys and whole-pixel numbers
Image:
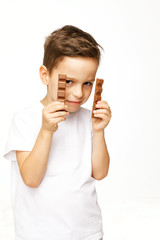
[{"x": 64, "y": 206}]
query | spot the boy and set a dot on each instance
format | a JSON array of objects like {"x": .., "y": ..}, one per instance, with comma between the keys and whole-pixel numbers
[{"x": 57, "y": 150}]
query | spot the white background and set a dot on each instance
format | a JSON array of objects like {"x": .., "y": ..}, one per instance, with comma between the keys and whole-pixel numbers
[{"x": 129, "y": 31}]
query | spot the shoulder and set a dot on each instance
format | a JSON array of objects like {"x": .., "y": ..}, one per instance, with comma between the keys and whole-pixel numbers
[{"x": 27, "y": 114}]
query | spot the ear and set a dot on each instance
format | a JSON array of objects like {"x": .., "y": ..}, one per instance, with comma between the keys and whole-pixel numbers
[{"x": 44, "y": 75}]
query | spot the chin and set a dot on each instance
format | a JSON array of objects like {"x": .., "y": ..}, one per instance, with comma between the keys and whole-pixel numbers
[{"x": 73, "y": 109}]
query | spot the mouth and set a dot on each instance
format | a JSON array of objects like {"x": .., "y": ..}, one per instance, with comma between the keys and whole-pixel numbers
[{"x": 74, "y": 102}]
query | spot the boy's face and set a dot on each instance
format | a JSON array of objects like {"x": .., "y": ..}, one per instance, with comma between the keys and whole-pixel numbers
[{"x": 82, "y": 70}]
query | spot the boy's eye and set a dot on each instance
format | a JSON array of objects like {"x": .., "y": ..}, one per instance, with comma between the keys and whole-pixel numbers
[
  {"x": 89, "y": 83},
  {"x": 86, "y": 83},
  {"x": 68, "y": 81}
]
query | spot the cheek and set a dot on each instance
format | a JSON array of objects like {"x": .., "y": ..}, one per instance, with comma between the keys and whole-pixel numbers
[
  {"x": 53, "y": 90},
  {"x": 86, "y": 91},
  {"x": 89, "y": 90},
  {"x": 68, "y": 91}
]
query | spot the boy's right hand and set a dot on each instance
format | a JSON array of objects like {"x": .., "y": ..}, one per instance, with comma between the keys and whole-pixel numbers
[{"x": 52, "y": 114}]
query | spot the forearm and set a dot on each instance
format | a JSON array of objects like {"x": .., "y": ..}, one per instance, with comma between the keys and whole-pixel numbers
[
  {"x": 100, "y": 156},
  {"x": 34, "y": 166}
]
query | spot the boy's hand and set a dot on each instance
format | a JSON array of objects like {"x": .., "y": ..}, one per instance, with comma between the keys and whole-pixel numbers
[
  {"x": 52, "y": 114},
  {"x": 103, "y": 116}
]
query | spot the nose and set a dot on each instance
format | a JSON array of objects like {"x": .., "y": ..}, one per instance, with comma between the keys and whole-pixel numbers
[{"x": 77, "y": 92}]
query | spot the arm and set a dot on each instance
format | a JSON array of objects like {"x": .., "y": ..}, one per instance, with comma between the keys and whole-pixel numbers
[
  {"x": 33, "y": 168},
  {"x": 100, "y": 156}
]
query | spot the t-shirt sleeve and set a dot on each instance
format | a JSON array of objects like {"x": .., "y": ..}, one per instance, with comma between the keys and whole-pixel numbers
[{"x": 21, "y": 135}]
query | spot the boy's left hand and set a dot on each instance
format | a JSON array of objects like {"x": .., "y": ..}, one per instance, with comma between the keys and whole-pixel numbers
[{"x": 103, "y": 117}]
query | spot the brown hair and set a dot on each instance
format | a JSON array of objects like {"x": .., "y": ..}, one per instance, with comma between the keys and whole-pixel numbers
[{"x": 69, "y": 41}]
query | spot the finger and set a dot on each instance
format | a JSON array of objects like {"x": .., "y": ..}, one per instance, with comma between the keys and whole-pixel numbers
[
  {"x": 98, "y": 115},
  {"x": 58, "y": 114},
  {"x": 105, "y": 111},
  {"x": 57, "y": 120},
  {"x": 52, "y": 103},
  {"x": 102, "y": 115},
  {"x": 56, "y": 107},
  {"x": 55, "y": 103},
  {"x": 102, "y": 101},
  {"x": 102, "y": 104}
]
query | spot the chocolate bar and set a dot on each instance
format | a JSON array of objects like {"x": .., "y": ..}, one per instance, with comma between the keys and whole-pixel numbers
[
  {"x": 61, "y": 91},
  {"x": 97, "y": 94}
]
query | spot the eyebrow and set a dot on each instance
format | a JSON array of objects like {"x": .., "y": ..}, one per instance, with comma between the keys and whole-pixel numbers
[{"x": 70, "y": 79}]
